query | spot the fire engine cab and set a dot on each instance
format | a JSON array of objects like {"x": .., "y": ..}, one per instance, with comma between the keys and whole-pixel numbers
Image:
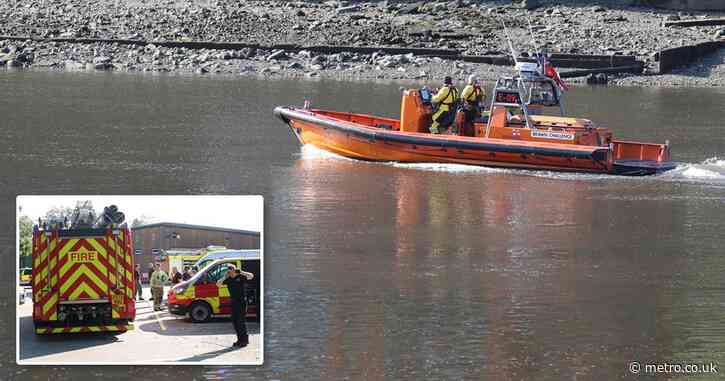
[{"x": 201, "y": 298}]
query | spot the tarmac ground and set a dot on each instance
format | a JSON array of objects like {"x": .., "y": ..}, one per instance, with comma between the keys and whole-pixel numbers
[{"x": 157, "y": 337}]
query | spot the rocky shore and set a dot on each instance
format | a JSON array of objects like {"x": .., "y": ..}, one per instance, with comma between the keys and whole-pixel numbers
[{"x": 471, "y": 27}]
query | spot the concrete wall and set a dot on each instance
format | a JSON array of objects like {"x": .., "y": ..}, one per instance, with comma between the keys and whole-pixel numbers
[{"x": 699, "y": 5}]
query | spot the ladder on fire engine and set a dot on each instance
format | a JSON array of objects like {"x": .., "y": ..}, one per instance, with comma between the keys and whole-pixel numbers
[{"x": 112, "y": 234}]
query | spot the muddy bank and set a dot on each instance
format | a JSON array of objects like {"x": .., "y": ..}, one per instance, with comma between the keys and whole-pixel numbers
[
  {"x": 29, "y": 55},
  {"x": 473, "y": 28}
]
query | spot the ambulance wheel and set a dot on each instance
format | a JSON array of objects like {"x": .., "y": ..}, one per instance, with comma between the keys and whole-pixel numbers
[{"x": 200, "y": 312}]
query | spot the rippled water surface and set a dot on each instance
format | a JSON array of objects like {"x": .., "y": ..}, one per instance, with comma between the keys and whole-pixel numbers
[{"x": 401, "y": 271}]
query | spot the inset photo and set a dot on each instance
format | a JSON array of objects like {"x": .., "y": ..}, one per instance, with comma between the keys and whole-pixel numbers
[{"x": 135, "y": 280}]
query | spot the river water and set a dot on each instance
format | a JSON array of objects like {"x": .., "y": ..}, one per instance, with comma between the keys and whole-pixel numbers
[{"x": 397, "y": 271}]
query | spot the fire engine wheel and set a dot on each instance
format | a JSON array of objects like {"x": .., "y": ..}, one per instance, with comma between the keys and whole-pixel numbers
[{"x": 200, "y": 312}]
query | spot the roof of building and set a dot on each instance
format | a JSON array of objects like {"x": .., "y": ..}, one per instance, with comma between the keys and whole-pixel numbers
[
  {"x": 197, "y": 227},
  {"x": 226, "y": 254}
]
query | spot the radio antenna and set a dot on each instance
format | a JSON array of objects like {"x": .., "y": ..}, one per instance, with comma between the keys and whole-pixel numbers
[
  {"x": 533, "y": 39},
  {"x": 511, "y": 45}
]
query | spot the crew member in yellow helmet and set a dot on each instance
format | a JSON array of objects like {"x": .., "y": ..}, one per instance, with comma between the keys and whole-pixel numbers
[
  {"x": 446, "y": 101},
  {"x": 472, "y": 99}
]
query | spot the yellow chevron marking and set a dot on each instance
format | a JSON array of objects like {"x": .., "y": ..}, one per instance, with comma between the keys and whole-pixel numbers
[
  {"x": 91, "y": 274},
  {"x": 108, "y": 256},
  {"x": 114, "y": 248},
  {"x": 127, "y": 327},
  {"x": 83, "y": 269},
  {"x": 83, "y": 287},
  {"x": 103, "y": 253},
  {"x": 114, "y": 313},
  {"x": 62, "y": 253},
  {"x": 97, "y": 246},
  {"x": 43, "y": 270},
  {"x": 100, "y": 268},
  {"x": 37, "y": 271},
  {"x": 67, "y": 246},
  {"x": 43, "y": 273},
  {"x": 36, "y": 259},
  {"x": 51, "y": 302}
]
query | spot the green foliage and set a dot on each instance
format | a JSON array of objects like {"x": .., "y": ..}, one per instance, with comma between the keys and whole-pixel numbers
[
  {"x": 25, "y": 229},
  {"x": 58, "y": 213}
]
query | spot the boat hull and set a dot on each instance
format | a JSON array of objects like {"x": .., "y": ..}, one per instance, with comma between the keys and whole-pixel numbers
[{"x": 362, "y": 142}]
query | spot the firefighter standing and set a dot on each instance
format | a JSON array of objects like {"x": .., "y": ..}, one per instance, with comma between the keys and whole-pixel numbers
[
  {"x": 472, "y": 98},
  {"x": 139, "y": 288},
  {"x": 158, "y": 280},
  {"x": 446, "y": 99},
  {"x": 234, "y": 280},
  {"x": 151, "y": 271}
]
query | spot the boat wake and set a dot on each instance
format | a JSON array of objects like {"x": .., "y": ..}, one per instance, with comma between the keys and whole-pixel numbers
[
  {"x": 312, "y": 152},
  {"x": 710, "y": 171},
  {"x": 438, "y": 167}
]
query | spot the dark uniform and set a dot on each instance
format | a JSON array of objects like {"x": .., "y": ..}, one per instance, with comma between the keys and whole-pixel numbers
[
  {"x": 139, "y": 288},
  {"x": 151, "y": 272},
  {"x": 239, "y": 307}
]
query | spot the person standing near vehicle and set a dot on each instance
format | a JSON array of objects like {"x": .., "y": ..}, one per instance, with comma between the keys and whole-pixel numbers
[
  {"x": 234, "y": 279},
  {"x": 158, "y": 280},
  {"x": 139, "y": 288},
  {"x": 186, "y": 275},
  {"x": 175, "y": 275},
  {"x": 150, "y": 272}
]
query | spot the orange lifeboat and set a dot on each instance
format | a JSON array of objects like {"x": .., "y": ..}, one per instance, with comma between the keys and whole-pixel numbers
[{"x": 510, "y": 137}]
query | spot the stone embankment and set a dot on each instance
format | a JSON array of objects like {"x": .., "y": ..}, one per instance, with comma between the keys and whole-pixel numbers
[{"x": 282, "y": 38}]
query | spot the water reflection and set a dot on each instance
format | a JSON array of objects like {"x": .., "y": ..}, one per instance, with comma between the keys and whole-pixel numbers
[
  {"x": 493, "y": 276},
  {"x": 402, "y": 271}
]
